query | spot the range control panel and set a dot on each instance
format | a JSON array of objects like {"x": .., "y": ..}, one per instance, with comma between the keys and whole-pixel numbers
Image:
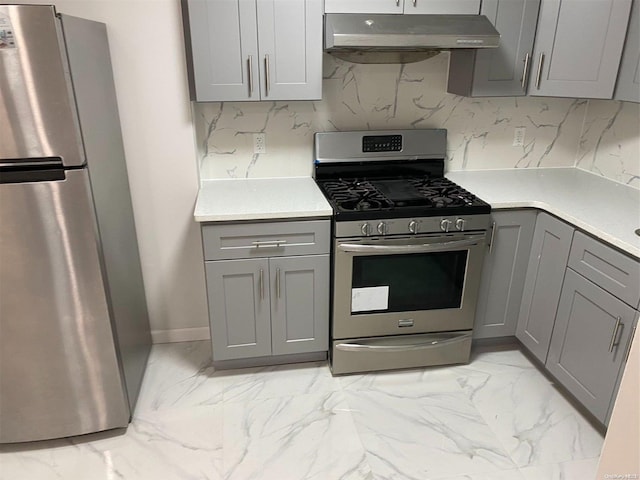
[{"x": 382, "y": 143}]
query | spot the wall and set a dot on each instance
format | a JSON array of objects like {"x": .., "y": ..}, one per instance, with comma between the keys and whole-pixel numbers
[
  {"x": 147, "y": 51},
  {"x": 480, "y": 131}
]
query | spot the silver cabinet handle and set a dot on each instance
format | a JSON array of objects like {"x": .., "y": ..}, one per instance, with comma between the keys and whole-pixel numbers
[
  {"x": 269, "y": 243},
  {"x": 397, "y": 3},
  {"x": 250, "y": 62},
  {"x": 415, "y": 2},
  {"x": 525, "y": 72},
  {"x": 427, "y": 247},
  {"x": 615, "y": 334},
  {"x": 493, "y": 234},
  {"x": 278, "y": 282},
  {"x": 626, "y": 355},
  {"x": 539, "y": 74},
  {"x": 267, "y": 75},
  {"x": 436, "y": 342},
  {"x": 261, "y": 282}
]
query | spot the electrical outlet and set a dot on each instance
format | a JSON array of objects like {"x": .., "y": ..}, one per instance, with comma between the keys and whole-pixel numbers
[
  {"x": 518, "y": 136},
  {"x": 259, "y": 143}
]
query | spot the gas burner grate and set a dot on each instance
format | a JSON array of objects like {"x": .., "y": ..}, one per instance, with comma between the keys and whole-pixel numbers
[
  {"x": 442, "y": 192},
  {"x": 355, "y": 195}
]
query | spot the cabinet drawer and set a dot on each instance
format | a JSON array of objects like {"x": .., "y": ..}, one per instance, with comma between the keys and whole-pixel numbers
[
  {"x": 272, "y": 239},
  {"x": 606, "y": 267}
]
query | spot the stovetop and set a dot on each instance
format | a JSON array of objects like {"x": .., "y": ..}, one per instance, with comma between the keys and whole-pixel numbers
[
  {"x": 370, "y": 175},
  {"x": 363, "y": 198}
]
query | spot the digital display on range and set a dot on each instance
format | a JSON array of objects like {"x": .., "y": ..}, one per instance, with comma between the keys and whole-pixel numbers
[{"x": 382, "y": 143}]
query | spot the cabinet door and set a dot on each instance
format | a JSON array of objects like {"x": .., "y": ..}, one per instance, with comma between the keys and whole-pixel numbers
[
  {"x": 578, "y": 47},
  {"x": 545, "y": 273},
  {"x": 628, "y": 84},
  {"x": 469, "y": 7},
  {"x": 238, "y": 294},
  {"x": 498, "y": 71},
  {"x": 363, "y": 6},
  {"x": 589, "y": 342},
  {"x": 299, "y": 304},
  {"x": 290, "y": 39},
  {"x": 222, "y": 49},
  {"x": 503, "y": 274}
]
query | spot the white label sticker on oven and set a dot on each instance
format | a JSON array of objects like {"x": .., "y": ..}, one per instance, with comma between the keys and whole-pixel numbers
[{"x": 367, "y": 299}]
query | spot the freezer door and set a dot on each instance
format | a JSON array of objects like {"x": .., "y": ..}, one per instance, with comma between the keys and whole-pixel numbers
[
  {"x": 37, "y": 110},
  {"x": 59, "y": 371}
]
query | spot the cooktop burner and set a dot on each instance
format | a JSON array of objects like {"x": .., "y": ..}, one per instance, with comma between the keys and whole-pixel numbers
[
  {"x": 381, "y": 196},
  {"x": 389, "y": 174}
]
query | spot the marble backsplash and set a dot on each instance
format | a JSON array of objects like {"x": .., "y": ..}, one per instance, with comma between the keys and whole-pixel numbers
[{"x": 601, "y": 136}]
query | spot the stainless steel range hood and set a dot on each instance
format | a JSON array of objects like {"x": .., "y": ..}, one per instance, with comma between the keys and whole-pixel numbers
[{"x": 368, "y": 38}]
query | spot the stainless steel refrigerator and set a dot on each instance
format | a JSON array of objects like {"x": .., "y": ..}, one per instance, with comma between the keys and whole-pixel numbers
[{"x": 74, "y": 328}]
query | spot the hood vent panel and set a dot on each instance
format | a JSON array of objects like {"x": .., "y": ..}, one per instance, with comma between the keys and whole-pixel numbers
[{"x": 361, "y": 36}]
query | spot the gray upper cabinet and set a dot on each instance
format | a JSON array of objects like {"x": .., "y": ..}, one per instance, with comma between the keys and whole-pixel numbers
[
  {"x": 254, "y": 50},
  {"x": 501, "y": 71},
  {"x": 628, "y": 85},
  {"x": 503, "y": 274},
  {"x": 578, "y": 47},
  {"x": 403, "y": 6},
  {"x": 545, "y": 273},
  {"x": 299, "y": 304},
  {"x": 590, "y": 341}
]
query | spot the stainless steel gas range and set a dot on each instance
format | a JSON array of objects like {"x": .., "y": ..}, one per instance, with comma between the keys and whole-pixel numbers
[{"x": 408, "y": 247}]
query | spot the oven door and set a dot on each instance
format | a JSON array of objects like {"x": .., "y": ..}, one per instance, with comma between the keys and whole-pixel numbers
[{"x": 402, "y": 285}]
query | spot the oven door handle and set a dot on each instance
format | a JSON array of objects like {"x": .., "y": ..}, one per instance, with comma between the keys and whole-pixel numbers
[
  {"x": 438, "y": 341},
  {"x": 425, "y": 247}
]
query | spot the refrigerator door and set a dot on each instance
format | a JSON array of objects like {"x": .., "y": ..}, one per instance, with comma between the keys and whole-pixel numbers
[
  {"x": 37, "y": 111},
  {"x": 59, "y": 369}
]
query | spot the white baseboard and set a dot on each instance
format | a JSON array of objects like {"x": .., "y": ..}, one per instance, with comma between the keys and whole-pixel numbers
[{"x": 180, "y": 335}]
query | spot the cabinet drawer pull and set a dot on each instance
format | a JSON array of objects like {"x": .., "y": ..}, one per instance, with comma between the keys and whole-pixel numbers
[
  {"x": 267, "y": 75},
  {"x": 269, "y": 243},
  {"x": 525, "y": 72},
  {"x": 397, "y": 3},
  {"x": 250, "y": 62},
  {"x": 493, "y": 234},
  {"x": 278, "y": 282},
  {"x": 261, "y": 284},
  {"x": 626, "y": 355},
  {"x": 415, "y": 2},
  {"x": 615, "y": 334},
  {"x": 540, "y": 62}
]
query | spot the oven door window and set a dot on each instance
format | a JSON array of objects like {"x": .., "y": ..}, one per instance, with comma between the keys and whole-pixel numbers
[{"x": 408, "y": 282}]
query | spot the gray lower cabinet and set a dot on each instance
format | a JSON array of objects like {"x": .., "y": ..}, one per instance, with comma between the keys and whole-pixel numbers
[
  {"x": 299, "y": 304},
  {"x": 239, "y": 308},
  {"x": 263, "y": 307},
  {"x": 503, "y": 274},
  {"x": 578, "y": 48},
  {"x": 628, "y": 84},
  {"x": 501, "y": 71},
  {"x": 267, "y": 288},
  {"x": 545, "y": 273},
  {"x": 590, "y": 341}
]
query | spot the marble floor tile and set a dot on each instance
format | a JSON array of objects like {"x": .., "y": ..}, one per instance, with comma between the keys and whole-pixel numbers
[
  {"x": 424, "y": 431},
  {"x": 309, "y": 436},
  {"x": 180, "y": 375},
  {"x": 575, "y": 470},
  {"x": 174, "y": 445},
  {"x": 501, "y": 475},
  {"x": 479, "y": 421},
  {"x": 534, "y": 422},
  {"x": 261, "y": 383}
]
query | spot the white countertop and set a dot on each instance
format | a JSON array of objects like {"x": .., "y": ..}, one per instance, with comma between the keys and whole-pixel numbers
[
  {"x": 606, "y": 209},
  {"x": 260, "y": 199}
]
